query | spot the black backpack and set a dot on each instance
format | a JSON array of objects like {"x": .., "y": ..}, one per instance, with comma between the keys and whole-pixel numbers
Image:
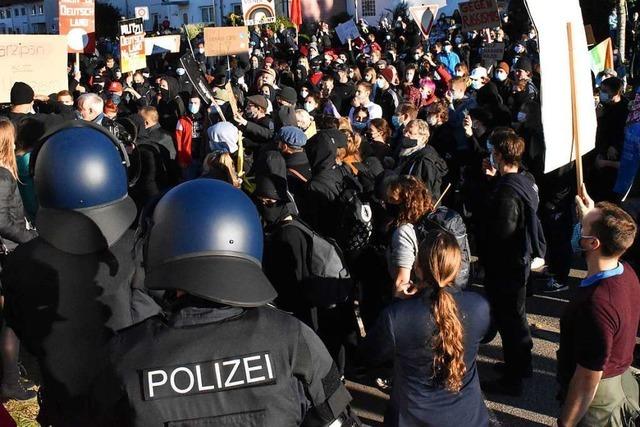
[
  {"x": 355, "y": 218},
  {"x": 328, "y": 281},
  {"x": 450, "y": 221}
]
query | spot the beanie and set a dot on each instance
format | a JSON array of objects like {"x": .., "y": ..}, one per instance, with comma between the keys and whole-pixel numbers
[{"x": 21, "y": 93}]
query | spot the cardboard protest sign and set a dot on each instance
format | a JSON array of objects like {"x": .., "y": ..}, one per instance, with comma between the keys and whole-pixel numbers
[
  {"x": 257, "y": 12},
  {"x": 77, "y": 22},
  {"x": 424, "y": 17},
  {"x": 38, "y": 60},
  {"x": 132, "y": 47},
  {"x": 194, "y": 73},
  {"x": 223, "y": 41},
  {"x": 142, "y": 12},
  {"x": 557, "y": 109},
  {"x": 493, "y": 53},
  {"x": 347, "y": 30},
  {"x": 602, "y": 56},
  {"x": 479, "y": 14},
  {"x": 161, "y": 44}
]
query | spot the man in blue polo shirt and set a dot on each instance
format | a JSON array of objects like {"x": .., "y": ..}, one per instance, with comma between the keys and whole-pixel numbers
[{"x": 598, "y": 328}]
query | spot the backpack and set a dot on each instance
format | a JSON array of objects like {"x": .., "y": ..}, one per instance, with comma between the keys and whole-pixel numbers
[
  {"x": 355, "y": 225},
  {"x": 450, "y": 221},
  {"x": 328, "y": 281}
]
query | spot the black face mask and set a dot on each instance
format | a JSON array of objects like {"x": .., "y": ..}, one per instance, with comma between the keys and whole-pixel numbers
[
  {"x": 275, "y": 213},
  {"x": 63, "y": 108},
  {"x": 97, "y": 88},
  {"x": 409, "y": 142},
  {"x": 137, "y": 86}
]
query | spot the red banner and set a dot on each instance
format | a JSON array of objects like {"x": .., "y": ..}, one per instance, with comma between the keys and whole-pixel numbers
[{"x": 78, "y": 23}]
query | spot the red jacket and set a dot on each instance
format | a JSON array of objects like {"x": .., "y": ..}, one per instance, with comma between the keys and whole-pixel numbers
[{"x": 184, "y": 132}]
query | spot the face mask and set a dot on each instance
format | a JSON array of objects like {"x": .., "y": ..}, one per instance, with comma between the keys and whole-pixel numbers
[
  {"x": 304, "y": 94},
  {"x": 395, "y": 121},
  {"x": 532, "y": 35},
  {"x": 409, "y": 142},
  {"x": 118, "y": 76},
  {"x": 368, "y": 78},
  {"x": 308, "y": 107},
  {"x": 359, "y": 125},
  {"x": 448, "y": 48},
  {"x": 501, "y": 76},
  {"x": 604, "y": 97},
  {"x": 165, "y": 94},
  {"x": 577, "y": 237},
  {"x": 146, "y": 75},
  {"x": 115, "y": 98},
  {"x": 459, "y": 73},
  {"x": 388, "y": 37},
  {"x": 416, "y": 56},
  {"x": 492, "y": 160},
  {"x": 458, "y": 40},
  {"x": 519, "y": 49},
  {"x": 180, "y": 71},
  {"x": 97, "y": 88},
  {"x": 64, "y": 108},
  {"x": 457, "y": 95},
  {"x": 201, "y": 50},
  {"x": 521, "y": 116},
  {"x": 194, "y": 108},
  {"x": 137, "y": 86},
  {"x": 274, "y": 214},
  {"x": 476, "y": 84},
  {"x": 380, "y": 83},
  {"x": 432, "y": 120}
]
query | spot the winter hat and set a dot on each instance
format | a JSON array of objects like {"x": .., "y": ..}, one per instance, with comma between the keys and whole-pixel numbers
[
  {"x": 524, "y": 64},
  {"x": 387, "y": 73},
  {"x": 292, "y": 136},
  {"x": 271, "y": 187},
  {"x": 504, "y": 66},
  {"x": 223, "y": 137},
  {"x": 288, "y": 94},
  {"x": 259, "y": 100},
  {"x": 478, "y": 73},
  {"x": 115, "y": 87},
  {"x": 21, "y": 93}
]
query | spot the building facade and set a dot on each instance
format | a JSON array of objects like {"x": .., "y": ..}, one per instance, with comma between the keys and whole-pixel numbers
[{"x": 22, "y": 17}]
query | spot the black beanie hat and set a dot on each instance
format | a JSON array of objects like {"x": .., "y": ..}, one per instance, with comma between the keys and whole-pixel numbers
[{"x": 21, "y": 93}]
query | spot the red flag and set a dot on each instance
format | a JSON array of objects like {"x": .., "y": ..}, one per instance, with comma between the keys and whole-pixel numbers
[{"x": 295, "y": 14}]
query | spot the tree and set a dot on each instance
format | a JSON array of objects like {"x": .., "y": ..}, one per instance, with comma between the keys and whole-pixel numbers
[{"x": 107, "y": 17}]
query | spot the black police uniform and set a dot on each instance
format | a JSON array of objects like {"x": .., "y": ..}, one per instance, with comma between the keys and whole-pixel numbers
[{"x": 217, "y": 365}]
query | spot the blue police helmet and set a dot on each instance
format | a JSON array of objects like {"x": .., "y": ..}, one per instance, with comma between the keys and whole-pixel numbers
[
  {"x": 79, "y": 175},
  {"x": 206, "y": 238}
]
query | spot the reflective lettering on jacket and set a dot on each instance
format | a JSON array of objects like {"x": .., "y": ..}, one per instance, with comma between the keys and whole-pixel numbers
[{"x": 207, "y": 377}]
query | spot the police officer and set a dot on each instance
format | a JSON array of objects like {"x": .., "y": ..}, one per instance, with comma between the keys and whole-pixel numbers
[
  {"x": 71, "y": 288},
  {"x": 221, "y": 356}
]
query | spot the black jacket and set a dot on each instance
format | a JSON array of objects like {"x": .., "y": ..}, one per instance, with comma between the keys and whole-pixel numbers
[
  {"x": 427, "y": 165},
  {"x": 13, "y": 226}
]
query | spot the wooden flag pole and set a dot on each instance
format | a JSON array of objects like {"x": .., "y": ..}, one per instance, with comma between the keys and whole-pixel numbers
[{"x": 574, "y": 110}]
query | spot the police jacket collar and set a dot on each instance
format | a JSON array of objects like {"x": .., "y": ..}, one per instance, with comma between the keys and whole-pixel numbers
[{"x": 193, "y": 311}]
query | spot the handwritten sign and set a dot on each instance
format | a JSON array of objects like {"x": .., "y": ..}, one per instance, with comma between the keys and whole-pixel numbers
[
  {"x": 493, "y": 53},
  {"x": 78, "y": 23},
  {"x": 259, "y": 12},
  {"x": 162, "y": 44},
  {"x": 347, "y": 30},
  {"x": 222, "y": 41},
  {"x": 22, "y": 58},
  {"x": 479, "y": 14},
  {"x": 132, "y": 48}
]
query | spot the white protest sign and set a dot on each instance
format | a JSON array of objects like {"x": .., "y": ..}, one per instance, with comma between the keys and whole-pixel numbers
[
  {"x": 37, "y": 60},
  {"x": 161, "y": 44},
  {"x": 347, "y": 30},
  {"x": 424, "y": 17},
  {"x": 556, "y": 81},
  {"x": 493, "y": 53},
  {"x": 142, "y": 12}
]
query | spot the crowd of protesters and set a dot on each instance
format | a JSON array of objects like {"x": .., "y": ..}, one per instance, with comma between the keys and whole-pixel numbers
[{"x": 411, "y": 158}]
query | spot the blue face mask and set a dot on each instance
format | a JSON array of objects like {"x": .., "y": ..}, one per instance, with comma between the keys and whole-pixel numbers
[
  {"x": 359, "y": 125},
  {"x": 577, "y": 237},
  {"x": 115, "y": 98},
  {"x": 193, "y": 108},
  {"x": 395, "y": 121}
]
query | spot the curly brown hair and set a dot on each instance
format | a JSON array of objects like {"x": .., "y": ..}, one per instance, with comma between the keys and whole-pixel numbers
[
  {"x": 438, "y": 262},
  {"x": 413, "y": 197}
]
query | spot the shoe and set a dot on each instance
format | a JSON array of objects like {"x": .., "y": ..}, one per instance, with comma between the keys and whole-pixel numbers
[
  {"x": 501, "y": 368},
  {"x": 16, "y": 392},
  {"x": 503, "y": 386},
  {"x": 384, "y": 384},
  {"x": 553, "y": 286}
]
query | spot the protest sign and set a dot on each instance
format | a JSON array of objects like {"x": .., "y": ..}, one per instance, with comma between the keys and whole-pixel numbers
[
  {"x": 257, "y": 12},
  {"x": 77, "y": 23},
  {"x": 479, "y": 14},
  {"x": 222, "y": 41},
  {"x": 132, "y": 47},
  {"x": 142, "y": 12},
  {"x": 602, "y": 56},
  {"x": 591, "y": 38},
  {"x": 493, "y": 53},
  {"x": 424, "y": 17},
  {"x": 347, "y": 30},
  {"x": 194, "y": 73},
  {"x": 162, "y": 44},
  {"x": 561, "y": 93},
  {"x": 38, "y": 60}
]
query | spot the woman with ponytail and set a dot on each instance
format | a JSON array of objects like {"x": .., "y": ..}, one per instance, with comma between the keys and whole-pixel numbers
[{"x": 433, "y": 340}]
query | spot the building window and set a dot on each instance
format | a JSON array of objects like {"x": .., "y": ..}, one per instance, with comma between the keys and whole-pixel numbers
[
  {"x": 208, "y": 14},
  {"x": 16, "y": 12},
  {"x": 2, "y": 14},
  {"x": 8, "y": 13},
  {"x": 24, "y": 11},
  {"x": 40, "y": 10},
  {"x": 369, "y": 7},
  {"x": 33, "y": 9}
]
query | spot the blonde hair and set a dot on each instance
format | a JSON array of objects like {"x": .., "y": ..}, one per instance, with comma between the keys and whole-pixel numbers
[
  {"x": 222, "y": 162},
  {"x": 8, "y": 147},
  {"x": 439, "y": 260}
]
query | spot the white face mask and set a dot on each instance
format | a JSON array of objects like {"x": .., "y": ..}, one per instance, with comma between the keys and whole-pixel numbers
[
  {"x": 501, "y": 76},
  {"x": 476, "y": 84},
  {"x": 380, "y": 83},
  {"x": 201, "y": 50},
  {"x": 432, "y": 120},
  {"x": 180, "y": 71},
  {"x": 448, "y": 48},
  {"x": 521, "y": 117},
  {"x": 457, "y": 95},
  {"x": 304, "y": 94},
  {"x": 459, "y": 73}
]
